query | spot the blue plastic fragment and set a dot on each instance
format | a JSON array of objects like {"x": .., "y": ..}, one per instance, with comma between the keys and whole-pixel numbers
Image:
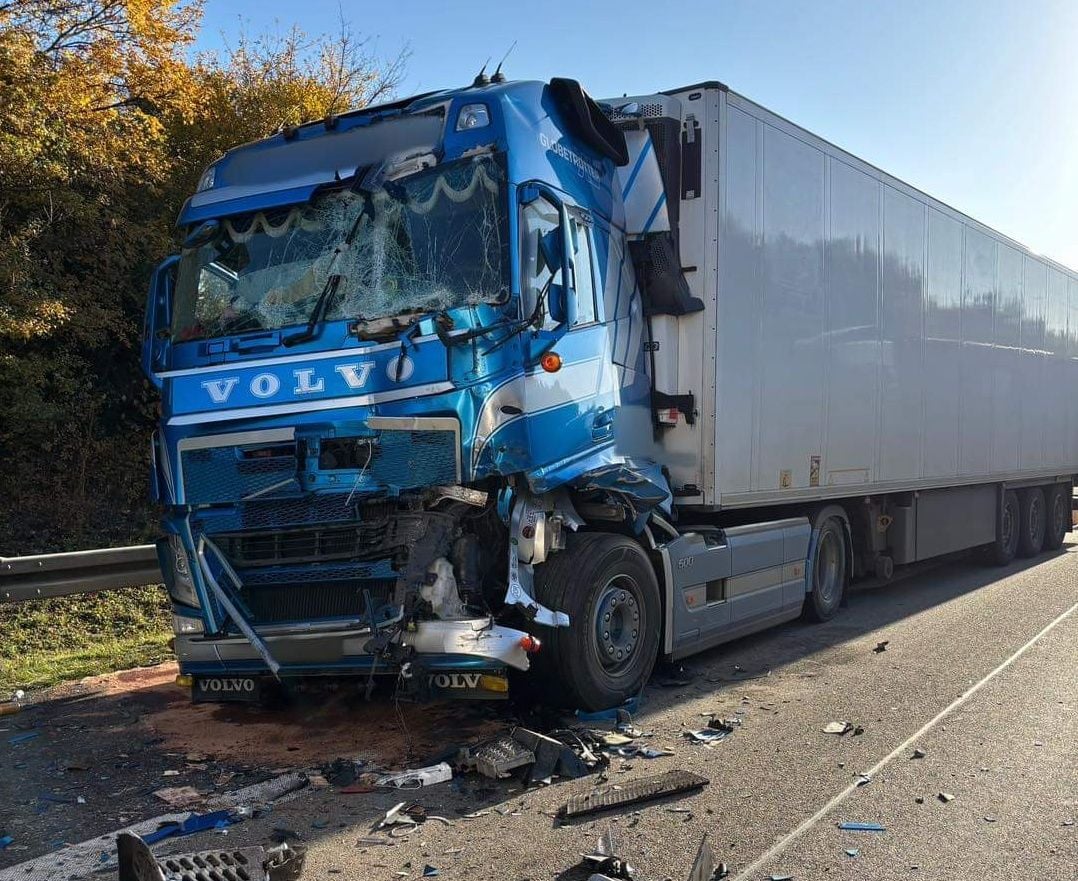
[
  {"x": 5, "y": 841},
  {"x": 862, "y": 827},
  {"x": 194, "y": 823},
  {"x": 22, "y": 738},
  {"x": 429, "y": 872},
  {"x": 631, "y": 706}
]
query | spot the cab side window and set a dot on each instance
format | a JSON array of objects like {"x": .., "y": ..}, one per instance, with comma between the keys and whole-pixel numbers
[
  {"x": 541, "y": 225},
  {"x": 583, "y": 278}
]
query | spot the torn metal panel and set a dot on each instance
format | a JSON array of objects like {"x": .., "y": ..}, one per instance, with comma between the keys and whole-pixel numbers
[{"x": 137, "y": 863}]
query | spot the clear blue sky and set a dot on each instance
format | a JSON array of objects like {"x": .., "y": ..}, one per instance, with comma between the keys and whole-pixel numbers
[{"x": 974, "y": 101}]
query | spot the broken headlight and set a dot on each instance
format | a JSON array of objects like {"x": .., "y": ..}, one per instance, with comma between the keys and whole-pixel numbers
[{"x": 181, "y": 585}]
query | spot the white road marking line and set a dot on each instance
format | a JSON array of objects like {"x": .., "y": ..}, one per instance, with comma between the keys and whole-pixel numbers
[{"x": 790, "y": 837}]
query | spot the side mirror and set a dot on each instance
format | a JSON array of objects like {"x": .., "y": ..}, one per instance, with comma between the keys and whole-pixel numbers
[
  {"x": 561, "y": 304},
  {"x": 202, "y": 234},
  {"x": 155, "y": 327}
]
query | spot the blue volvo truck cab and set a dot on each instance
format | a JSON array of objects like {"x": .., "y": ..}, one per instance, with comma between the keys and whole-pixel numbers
[{"x": 407, "y": 427}]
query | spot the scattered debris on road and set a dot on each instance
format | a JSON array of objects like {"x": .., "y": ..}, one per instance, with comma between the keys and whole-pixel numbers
[
  {"x": 605, "y": 860},
  {"x": 881, "y": 646},
  {"x": 650, "y": 788},
  {"x": 179, "y": 796},
  {"x": 838, "y": 728},
  {"x": 416, "y": 778},
  {"x": 853, "y": 852},
  {"x": 919, "y": 754},
  {"x": 137, "y": 863},
  {"x": 945, "y": 797},
  {"x": 862, "y": 827}
]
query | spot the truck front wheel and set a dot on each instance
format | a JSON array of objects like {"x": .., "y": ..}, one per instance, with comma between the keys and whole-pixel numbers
[{"x": 606, "y": 584}]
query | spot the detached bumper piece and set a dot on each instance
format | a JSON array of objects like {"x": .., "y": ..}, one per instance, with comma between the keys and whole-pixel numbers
[
  {"x": 137, "y": 863},
  {"x": 605, "y": 798}
]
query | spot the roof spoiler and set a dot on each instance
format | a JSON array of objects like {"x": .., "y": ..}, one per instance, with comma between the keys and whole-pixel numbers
[{"x": 587, "y": 121}]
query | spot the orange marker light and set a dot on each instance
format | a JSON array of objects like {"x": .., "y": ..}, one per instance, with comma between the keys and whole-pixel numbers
[
  {"x": 530, "y": 644},
  {"x": 550, "y": 362}
]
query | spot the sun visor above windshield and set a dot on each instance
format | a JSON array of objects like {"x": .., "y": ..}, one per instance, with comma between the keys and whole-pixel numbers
[{"x": 277, "y": 171}]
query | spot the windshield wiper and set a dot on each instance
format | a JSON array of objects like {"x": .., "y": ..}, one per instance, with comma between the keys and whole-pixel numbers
[{"x": 333, "y": 281}]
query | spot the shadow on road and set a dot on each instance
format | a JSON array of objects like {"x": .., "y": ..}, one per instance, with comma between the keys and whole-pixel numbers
[{"x": 99, "y": 750}]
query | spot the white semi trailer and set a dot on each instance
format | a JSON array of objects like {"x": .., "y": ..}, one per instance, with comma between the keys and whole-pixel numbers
[{"x": 865, "y": 357}]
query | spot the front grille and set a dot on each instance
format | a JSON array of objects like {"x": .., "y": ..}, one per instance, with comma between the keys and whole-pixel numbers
[
  {"x": 229, "y": 474},
  {"x": 356, "y": 542},
  {"x": 314, "y": 600}
]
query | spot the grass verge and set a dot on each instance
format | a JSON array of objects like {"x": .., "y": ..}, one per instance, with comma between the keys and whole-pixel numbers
[{"x": 45, "y": 642}]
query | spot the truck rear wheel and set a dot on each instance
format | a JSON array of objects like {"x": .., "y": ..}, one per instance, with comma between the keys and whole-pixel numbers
[
  {"x": 1058, "y": 508},
  {"x": 827, "y": 569},
  {"x": 607, "y": 586},
  {"x": 1031, "y": 520},
  {"x": 1002, "y": 551}
]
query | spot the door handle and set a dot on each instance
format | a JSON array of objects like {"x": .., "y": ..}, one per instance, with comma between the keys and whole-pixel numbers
[{"x": 602, "y": 426}]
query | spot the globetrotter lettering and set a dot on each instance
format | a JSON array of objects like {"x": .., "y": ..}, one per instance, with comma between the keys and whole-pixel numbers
[{"x": 305, "y": 381}]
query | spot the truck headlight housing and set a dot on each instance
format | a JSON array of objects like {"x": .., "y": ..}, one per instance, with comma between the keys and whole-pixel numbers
[
  {"x": 473, "y": 116},
  {"x": 180, "y": 582},
  {"x": 184, "y": 625}
]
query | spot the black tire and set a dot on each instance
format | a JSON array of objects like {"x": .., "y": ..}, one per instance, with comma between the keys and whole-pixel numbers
[
  {"x": 597, "y": 577},
  {"x": 1057, "y": 506},
  {"x": 1031, "y": 520},
  {"x": 1002, "y": 551},
  {"x": 828, "y": 569}
]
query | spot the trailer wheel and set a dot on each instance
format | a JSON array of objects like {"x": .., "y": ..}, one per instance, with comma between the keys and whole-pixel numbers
[
  {"x": 1002, "y": 551},
  {"x": 1031, "y": 521},
  {"x": 1058, "y": 507},
  {"x": 607, "y": 586},
  {"x": 827, "y": 567}
]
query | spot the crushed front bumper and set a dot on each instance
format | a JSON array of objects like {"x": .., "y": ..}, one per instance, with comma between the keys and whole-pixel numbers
[{"x": 466, "y": 658}]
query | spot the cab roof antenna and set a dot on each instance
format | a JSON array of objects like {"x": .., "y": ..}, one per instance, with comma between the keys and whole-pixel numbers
[
  {"x": 498, "y": 76},
  {"x": 481, "y": 78}
]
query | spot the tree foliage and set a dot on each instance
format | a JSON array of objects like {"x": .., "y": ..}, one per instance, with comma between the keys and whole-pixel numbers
[{"x": 105, "y": 125}]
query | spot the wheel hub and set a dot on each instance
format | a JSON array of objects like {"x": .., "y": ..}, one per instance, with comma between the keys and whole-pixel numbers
[{"x": 618, "y": 623}]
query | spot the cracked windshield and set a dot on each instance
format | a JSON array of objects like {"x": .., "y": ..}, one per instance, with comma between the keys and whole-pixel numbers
[{"x": 435, "y": 240}]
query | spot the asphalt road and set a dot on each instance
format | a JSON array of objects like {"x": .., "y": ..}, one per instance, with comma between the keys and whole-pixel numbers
[{"x": 980, "y": 672}]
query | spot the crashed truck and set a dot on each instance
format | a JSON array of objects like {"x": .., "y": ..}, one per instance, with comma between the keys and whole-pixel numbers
[{"x": 504, "y": 378}]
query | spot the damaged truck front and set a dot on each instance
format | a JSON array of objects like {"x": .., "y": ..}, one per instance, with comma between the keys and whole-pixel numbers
[{"x": 400, "y": 358}]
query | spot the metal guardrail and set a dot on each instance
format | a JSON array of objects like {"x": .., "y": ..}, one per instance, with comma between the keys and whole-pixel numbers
[{"x": 58, "y": 575}]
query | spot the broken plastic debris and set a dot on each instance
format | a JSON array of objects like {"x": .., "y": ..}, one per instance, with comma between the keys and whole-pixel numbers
[
  {"x": 178, "y": 796},
  {"x": 863, "y": 779},
  {"x": 396, "y": 816},
  {"x": 945, "y": 797},
  {"x": 418, "y": 777},
  {"x": 429, "y": 871},
  {"x": 780, "y": 878},
  {"x": 881, "y": 646},
  {"x": 862, "y": 827},
  {"x": 605, "y": 861},
  {"x": 194, "y": 823},
  {"x": 22, "y": 738},
  {"x": 5, "y": 841},
  {"x": 137, "y": 862},
  {"x": 919, "y": 754},
  {"x": 643, "y": 789},
  {"x": 837, "y": 728},
  {"x": 989, "y": 819},
  {"x": 853, "y": 852}
]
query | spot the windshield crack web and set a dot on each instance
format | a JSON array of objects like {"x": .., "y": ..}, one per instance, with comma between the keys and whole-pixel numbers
[{"x": 435, "y": 240}]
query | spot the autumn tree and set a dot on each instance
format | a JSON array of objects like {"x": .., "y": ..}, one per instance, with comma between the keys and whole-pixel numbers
[{"x": 104, "y": 126}]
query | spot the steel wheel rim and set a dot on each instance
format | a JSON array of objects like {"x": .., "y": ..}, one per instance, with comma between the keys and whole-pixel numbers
[
  {"x": 619, "y": 623},
  {"x": 828, "y": 574},
  {"x": 1059, "y": 516},
  {"x": 1006, "y": 528},
  {"x": 1035, "y": 517}
]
